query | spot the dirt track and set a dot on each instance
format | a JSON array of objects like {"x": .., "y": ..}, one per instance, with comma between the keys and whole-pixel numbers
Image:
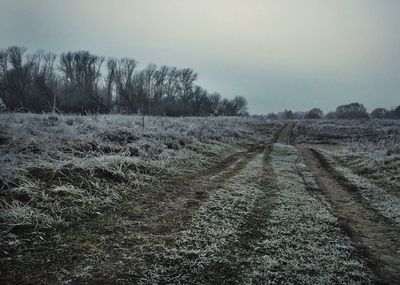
[
  {"x": 154, "y": 224},
  {"x": 124, "y": 246},
  {"x": 286, "y": 135},
  {"x": 376, "y": 238}
]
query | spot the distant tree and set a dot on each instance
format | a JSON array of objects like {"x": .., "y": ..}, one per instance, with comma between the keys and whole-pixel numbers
[
  {"x": 17, "y": 79},
  {"x": 150, "y": 77},
  {"x": 315, "y": 113},
  {"x": 272, "y": 116},
  {"x": 215, "y": 101},
  {"x": 286, "y": 115},
  {"x": 330, "y": 115},
  {"x": 127, "y": 91},
  {"x": 351, "y": 111},
  {"x": 380, "y": 113},
  {"x": 43, "y": 82},
  {"x": 81, "y": 74},
  {"x": 298, "y": 115},
  {"x": 79, "y": 84},
  {"x": 395, "y": 113},
  {"x": 110, "y": 80},
  {"x": 239, "y": 104},
  {"x": 201, "y": 102},
  {"x": 3, "y": 75},
  {"x": 185, "y": 80}
]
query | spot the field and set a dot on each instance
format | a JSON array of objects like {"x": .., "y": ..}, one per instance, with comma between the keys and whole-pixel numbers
[{"x": 118, "y": 199}]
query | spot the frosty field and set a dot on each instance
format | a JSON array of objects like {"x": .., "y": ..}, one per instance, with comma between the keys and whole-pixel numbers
[{"x": 198, "y": 200}]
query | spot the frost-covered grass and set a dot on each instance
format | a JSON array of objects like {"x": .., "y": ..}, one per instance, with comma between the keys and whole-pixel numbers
[
  {"x": 58, "y": 171},
  {"x": 302, "y": 242},
  {"x": 72, "y": 186},
  {"x": 264, "y": 226},
  {"x": 376, "y": 166},
  {"x": 214, "y": 227},
  {"x": 355, "y": 135},
  {"x": 385, "y": 202},
  {"x": 365, "y": 153}
]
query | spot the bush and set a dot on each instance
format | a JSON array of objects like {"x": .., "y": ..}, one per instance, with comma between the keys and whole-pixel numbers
[
  {"x": 315, "y": 113},
  {"x": 352, "y": 111}
]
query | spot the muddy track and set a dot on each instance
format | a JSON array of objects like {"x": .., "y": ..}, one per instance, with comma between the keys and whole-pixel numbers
[
  {"x": 376, "y": 239},
  {"x": 153, "y": 223},
  {"x": 286, "y": 134},
  {"x": 183, "y": 199}
]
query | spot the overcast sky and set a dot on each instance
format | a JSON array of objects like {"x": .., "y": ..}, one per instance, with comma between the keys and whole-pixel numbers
[{"x": 294, "y": 54}]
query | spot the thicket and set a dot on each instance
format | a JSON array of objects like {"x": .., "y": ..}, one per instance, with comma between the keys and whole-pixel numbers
[{"x": 81, "y": 82}]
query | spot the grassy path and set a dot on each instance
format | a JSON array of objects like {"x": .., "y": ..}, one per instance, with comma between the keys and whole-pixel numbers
[{"x": 262, "y": 226}]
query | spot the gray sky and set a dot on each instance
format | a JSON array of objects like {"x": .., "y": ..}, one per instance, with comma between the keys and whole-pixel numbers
[{"x": 294, "y": 54}]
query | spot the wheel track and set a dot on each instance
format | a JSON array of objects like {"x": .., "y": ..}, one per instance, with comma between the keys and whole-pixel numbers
[
  {"x": 374, "y": 237},
  {"x": 158, "y": 220}
]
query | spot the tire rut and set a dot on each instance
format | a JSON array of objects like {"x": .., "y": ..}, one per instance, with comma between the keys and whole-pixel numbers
[
  {"x": 183, "y": 200},
  {"x": 286, "y": 135},
  {"x": 375, "y": 238},
  {"x": 153, "y": 223}
]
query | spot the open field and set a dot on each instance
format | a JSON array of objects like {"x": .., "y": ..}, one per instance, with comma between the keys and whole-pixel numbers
[{"x": 102, "y": 199}]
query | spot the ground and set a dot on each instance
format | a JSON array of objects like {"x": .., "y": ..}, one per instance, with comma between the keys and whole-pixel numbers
[{"x": 104, "y": 199}]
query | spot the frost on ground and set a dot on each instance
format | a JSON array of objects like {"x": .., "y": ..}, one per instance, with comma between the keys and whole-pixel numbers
[
  {"x": 59, "y": 173},
  {"x": 303, "y": 243},
  {"x": 377, "y": 198},
  {"x": 370, "y": 149},
  {"x": 264, "y": 226},
  {"x": 52, "y": 170},
  {"x": 374, "y": 165},
  {"x": 365, "y": 154},
  {"x": 197, "y": 252}
]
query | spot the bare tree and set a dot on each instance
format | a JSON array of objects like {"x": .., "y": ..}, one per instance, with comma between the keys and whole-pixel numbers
[
  {"x": 3, "y": 74},
  {"x": 81, "y": 75},
  {"x": 185, "y": 81},
  {"x": 125, "y": 84},
  {"x": 17, "y": 78},
  {"x": 150, "y": 73},
  {"x": 110, "y": 80},
  {"x": 215, "y": 100},
  {"x": 31, "y": 82}
]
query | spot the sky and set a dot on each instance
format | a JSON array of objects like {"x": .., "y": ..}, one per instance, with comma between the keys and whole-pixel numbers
[{"x": 278, "y": 54}]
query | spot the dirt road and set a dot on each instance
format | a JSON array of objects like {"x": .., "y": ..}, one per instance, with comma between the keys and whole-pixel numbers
[
  {"x": 248, "y": 219},
  {"x": 153, "y": 224},
  {"x": 286, "y": 134},
  {"x": 377, "y": 239}
]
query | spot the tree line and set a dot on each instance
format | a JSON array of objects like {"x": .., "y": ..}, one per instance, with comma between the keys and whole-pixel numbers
[
  {"x": 81, "y": 82},
  {"x": 348, "y": 111}
]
